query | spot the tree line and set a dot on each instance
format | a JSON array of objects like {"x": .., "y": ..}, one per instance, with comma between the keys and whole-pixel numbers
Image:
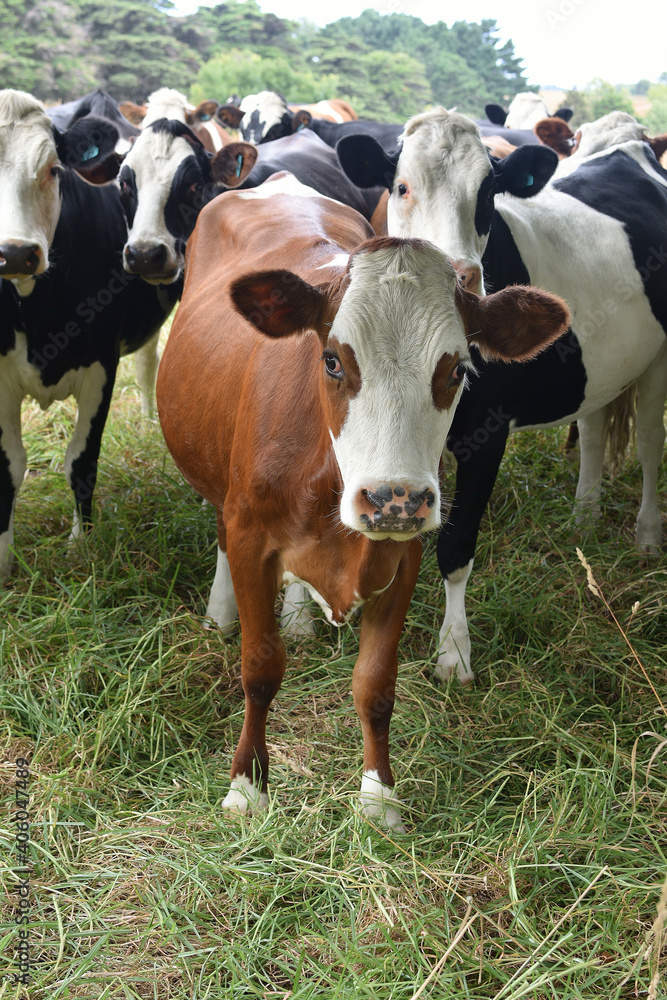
[{"x": 388, "y": 66}]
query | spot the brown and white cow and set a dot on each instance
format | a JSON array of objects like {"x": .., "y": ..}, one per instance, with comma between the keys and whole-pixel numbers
[{"x": 306, "y": 392}]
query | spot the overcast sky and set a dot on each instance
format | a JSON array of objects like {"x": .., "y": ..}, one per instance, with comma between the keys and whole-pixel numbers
[{"x": 564, "y": 43}]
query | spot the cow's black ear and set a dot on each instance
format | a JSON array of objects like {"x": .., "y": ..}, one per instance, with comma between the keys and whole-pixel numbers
[
  {"x": 89, "y": 147},
  {"x": 366, "y": 162},
  {"x": 564, "y": 113},
  {"x": 525, "y": 171},
  {"x": 495, "y": 114}
]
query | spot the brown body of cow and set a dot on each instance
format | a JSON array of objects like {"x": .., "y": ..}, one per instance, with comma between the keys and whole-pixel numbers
[
  {"x": 332, "y": 110},
  {"x": 254, "y": 420}
]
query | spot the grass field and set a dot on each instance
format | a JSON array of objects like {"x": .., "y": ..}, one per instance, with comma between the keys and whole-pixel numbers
[{"x": 535, "y": 801}]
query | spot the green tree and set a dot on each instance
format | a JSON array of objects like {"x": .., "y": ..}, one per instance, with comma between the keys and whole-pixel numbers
[
  {"x": 135, "y": 50},
  {"x": 605, "y": 97},
  {"x": 580, "y": 103},
  {"x": 656, "y": 117},
  {"x": 243, "y": 72}
]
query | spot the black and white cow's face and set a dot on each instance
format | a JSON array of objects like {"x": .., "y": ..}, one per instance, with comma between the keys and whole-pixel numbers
[
  {"x": 442, "y": 183},
  {"x": 265, "y": 117},
  {"x": 33, "y": 156},
  {"x": 165, "y": 181}
]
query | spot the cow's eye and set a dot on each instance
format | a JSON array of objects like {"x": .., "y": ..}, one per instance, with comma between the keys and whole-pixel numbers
[
  {"x": 332, "y": 365},
  {"x": 403, "y": 190},
  {"x": 457, "y": 375},
  {"x": 56, "y": 170}
]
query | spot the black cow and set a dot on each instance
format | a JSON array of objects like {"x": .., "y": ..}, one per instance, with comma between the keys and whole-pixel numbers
[
  {"x": 101, "y": 105},
  {"x": 67, "y": 310}
]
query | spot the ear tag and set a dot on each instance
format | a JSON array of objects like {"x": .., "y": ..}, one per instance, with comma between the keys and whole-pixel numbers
[
  {"x": 529, "y": 181},
  {"x": 239, "y": 161},
  {"x": 204, "y": 118},
  {"x": 299, "y": 127},
  {"x": 91, "y": 153}
]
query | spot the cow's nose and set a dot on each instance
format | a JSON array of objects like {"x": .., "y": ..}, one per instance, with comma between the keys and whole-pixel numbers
[
  {"x": 396, "y": 508},
  {"x": 18, "y": 257},
  {"x": 469, "y": 275},
  {"x": 145, "y": 258}
]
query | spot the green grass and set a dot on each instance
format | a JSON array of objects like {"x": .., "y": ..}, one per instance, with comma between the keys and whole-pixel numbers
[{"x": 535, "y": 802}]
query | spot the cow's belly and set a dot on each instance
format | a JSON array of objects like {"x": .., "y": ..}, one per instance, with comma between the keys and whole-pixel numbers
[{"x": 19, "y": 378}]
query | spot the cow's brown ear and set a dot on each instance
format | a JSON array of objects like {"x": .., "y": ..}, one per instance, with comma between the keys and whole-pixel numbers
[
  {"x": 230, "y": 115},
  {"x": 556, "y": 134},
  {"x": 231, "y": 165},
  {"x": 205, "y": 111},
  {"x": 301, "y": 119},
  {"x": 279, "y": 303},
  {"x": 514, "y": 324}
]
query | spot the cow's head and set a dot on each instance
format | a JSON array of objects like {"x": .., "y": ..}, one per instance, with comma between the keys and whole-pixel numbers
[
  {"x": 166, "y": 179},
  {"x": 396, "y": 328},
  {"x": 34, "y": 157},
  {"x": 265, "y": 116},
  {"x": 442, "y": 183}
]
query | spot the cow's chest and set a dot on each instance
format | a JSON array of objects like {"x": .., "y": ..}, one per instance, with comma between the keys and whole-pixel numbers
[
  {"x": 344, "y": 601},
  {"x": 19, "y": 378}
]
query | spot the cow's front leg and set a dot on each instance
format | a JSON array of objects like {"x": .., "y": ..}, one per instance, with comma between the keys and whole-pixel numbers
[
  {"x": 146, "y": 361},
  {"x": 374, "y": 687},
  {"x": 12, "y": 471},
  {"x": 262, "y": 671},
  {"x": 93, "y": 400}
]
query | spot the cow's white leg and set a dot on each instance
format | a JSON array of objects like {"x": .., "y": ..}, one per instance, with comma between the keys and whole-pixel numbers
[
  {"x": 146, "y": 361},
  {"x": 592, "y": 442},
  {"x": 222, "y": 601},
  {"x": 12, "y": 471},
  {"x": 243, "y": 796},
  {"x": 296, "y": 618},
  {"x": 652, "y": 390},
  {"x": 93, "y": 396},
  {"x": 454, "y": 646},
  {"x": 380, "y": 802}
]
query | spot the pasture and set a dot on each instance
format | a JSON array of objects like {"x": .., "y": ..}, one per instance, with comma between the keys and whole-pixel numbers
[{"x": 535, "y": 801}]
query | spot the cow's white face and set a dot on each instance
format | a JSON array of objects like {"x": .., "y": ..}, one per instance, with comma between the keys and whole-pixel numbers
[
  {"x": 29, "y": 186},
  {"x": 443, "y": 190},
  {"x": 393, "y": 369},
  {"x": 261, "y": 113},
  {"x": 160, "y": 182},
  {"x": 525, "y": 111}
]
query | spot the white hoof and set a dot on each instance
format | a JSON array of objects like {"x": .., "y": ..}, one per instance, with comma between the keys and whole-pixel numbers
[
  {"x": 379, "y": 802},
  {"x": 244, "y": 797}
]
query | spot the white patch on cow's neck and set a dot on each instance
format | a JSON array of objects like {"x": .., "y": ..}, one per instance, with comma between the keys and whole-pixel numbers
[
  {"x": 284, "y": 183},
  {"x": 339, "y": 260}
]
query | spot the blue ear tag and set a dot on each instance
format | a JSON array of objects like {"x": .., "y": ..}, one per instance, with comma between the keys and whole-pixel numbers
[
  {"x": 529, "y": 181},
  {"x": 299, "y": 127},
  {"x": 239, "y": 160},
  {"x": 91, "y": 153},
  {"x": 204, "y": 118}
]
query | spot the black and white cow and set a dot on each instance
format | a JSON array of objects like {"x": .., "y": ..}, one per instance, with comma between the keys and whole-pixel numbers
[
  {"x": 67, "y": 310},
  {"x": 525, "y": 111},
  {"x": 168, "y": 177},
  {"x": 165, "y": 180},
  {"x": 99, "y": 104},
  {"x": 596, "y": 235}
]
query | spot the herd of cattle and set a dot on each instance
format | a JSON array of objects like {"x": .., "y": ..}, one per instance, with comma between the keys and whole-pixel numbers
[{"x": 356, "y": 300}]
